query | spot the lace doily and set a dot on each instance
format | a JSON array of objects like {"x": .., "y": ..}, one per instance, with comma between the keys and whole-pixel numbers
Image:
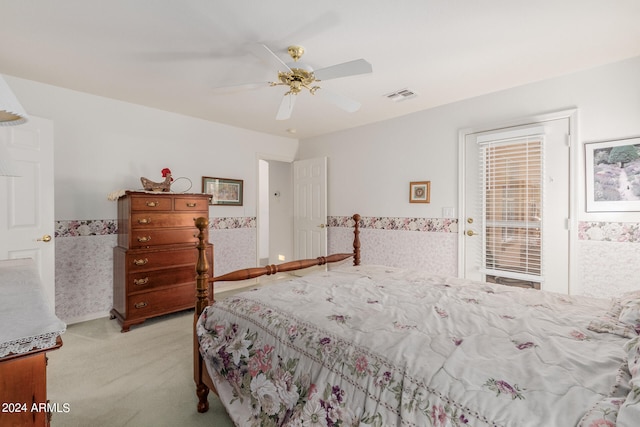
[{"x": 25, "y": 345}]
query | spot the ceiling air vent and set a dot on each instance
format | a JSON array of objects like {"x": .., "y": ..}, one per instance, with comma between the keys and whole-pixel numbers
[{"x": 401, "y": 95}]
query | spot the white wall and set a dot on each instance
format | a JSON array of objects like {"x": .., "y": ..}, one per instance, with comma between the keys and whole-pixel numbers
[
  {"x": 103, "y": 145},
  {"x": 370, "y": 167}
]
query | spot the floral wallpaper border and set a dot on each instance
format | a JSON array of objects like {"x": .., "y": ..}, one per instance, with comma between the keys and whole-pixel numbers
[
  {"x": 89, "y": 227},
  {"x": 609, "y": 231},
  {"x": 103, "y": 227},
  {"x": 587, "y": 230},
  {"x": 445, "y": 225},
  {"x": 230, "y": 223}
]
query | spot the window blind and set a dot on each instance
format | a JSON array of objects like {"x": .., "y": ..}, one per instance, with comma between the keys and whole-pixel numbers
[{"x": 512, "y": 200}]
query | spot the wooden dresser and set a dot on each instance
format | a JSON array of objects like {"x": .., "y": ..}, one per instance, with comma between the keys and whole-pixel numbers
[{"x": 154, "y": 262}]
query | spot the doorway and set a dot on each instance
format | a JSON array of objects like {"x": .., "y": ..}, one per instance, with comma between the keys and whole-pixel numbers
[
  {"x": 275, "y": 211},
  {"x": 516, "y": 203},
  {"x": 292, "y": 209}
]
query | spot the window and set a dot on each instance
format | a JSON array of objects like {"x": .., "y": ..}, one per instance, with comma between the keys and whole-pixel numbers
[{"x": 512, "y": 197}]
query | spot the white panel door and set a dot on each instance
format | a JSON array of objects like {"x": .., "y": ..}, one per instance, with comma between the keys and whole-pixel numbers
[
  {"x": 27, "y": 202},
  {"x": 310, "y": 208},
  {"x": 554, "y": 231}
]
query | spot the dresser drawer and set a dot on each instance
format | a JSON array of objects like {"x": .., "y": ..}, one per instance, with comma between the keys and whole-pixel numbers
[
  {"x": 146, "y": 280},
  {"x": 151, "y": 203},
  {"x": 145, "y": 260},
  {"x": 191, "y": 204},
  {"x": 159, "y": 237},
  {"x": 146, "y": 220},
  {"x": 161, "y": 301}
]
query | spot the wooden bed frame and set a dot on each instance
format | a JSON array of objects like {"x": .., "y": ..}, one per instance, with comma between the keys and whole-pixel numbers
[{"x": 205, "y": 286}]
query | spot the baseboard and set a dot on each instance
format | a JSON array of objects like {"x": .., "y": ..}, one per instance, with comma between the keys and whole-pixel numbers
[{"x": 86, "y": 317}]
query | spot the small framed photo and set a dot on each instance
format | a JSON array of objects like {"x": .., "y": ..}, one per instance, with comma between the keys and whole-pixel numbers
[
  {"x": 612, "y": 171},
  {"x": 223, "y": 191},
  {"x": 419, "y": 191}
]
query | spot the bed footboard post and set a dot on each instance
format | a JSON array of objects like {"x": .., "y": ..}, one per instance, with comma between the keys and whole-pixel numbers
[
  {"x": 202, "y": 267},
  {"x": 356, "y": 240},
  {"x": 202, "y": 301}
]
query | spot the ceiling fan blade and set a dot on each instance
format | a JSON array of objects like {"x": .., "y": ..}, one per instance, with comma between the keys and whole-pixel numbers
[
  {"x": 351, "y": 68},
  {"x": 341, "y": 101},
  {"x": 286, "y": 107},
  {"x": 239, "y": 88},
  {"x": 267, "y": 55}
]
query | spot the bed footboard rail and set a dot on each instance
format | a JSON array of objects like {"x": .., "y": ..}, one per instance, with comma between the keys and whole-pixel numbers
[
  {"x": 251, "y": 273},
  {"x": 202, "y": 265}
]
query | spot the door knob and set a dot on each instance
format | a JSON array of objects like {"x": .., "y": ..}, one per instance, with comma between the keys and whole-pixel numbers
[
  {"x": 322, "y": 225},
  {"x": 45, "y": 238},
  {"x": 471, "y": 233}
]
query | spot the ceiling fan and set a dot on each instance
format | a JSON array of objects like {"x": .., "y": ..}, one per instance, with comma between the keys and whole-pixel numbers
[{"x": 298, "y": 76}]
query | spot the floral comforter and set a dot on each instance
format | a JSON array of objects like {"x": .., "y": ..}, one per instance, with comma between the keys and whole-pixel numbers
[{"x": 374, "y": 346}]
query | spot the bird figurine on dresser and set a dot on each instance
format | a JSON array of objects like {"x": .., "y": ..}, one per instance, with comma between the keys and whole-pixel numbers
[{"x": 164, "y": 186}]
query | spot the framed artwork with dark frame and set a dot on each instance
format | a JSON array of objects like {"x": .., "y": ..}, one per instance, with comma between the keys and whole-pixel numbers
[
  {"x": 419, "y": 191},
  {"x": 613, "y": 175},
  {"x": 224, "y": 191}
]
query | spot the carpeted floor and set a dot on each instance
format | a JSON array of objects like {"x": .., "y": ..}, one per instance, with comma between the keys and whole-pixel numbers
[{"x": 140, "y": 378}]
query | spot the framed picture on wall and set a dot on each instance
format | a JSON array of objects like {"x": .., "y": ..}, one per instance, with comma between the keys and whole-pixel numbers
[
  {"x": 223, "y": 191},
  {"x": 419, "y": 191},
  {"x": 613, "y": 175}
]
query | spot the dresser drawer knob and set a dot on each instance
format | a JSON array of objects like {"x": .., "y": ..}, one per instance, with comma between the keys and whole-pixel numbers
[
  {"x": 140, "y": 305},
  {"x": 144, "y": 239},
  {"x": 153, "y": 204},
  {"x": 144, "y": 221},
  {"x": 191, "y": 205},
  {"x": 142, "y": 281},
  {"x": 140, "y": 261}
]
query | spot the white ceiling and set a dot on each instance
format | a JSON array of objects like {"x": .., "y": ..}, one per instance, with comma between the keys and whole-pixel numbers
[{"x": 172, "y": 55}]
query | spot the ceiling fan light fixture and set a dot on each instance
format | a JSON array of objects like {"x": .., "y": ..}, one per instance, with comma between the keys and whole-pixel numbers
[{"x": 297, "y": 79}]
